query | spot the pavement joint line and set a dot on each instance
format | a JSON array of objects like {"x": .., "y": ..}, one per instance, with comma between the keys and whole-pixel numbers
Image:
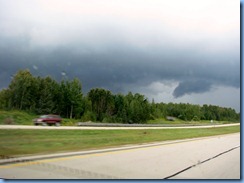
[
  {"x": 25, "y": 161},
  {"x": 199, "y": 163}
]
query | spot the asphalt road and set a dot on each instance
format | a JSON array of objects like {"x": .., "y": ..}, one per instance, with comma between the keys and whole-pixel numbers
[
  {"x": 215, "y": 157},
  {"x": 106, "y": 127}
]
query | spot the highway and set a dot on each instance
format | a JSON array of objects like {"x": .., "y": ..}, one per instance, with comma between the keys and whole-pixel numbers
[
  {"x": 216, "y": 157},
  {"x": 109, "y": 127}
]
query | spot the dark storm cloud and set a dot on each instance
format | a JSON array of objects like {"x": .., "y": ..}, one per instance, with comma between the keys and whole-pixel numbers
[
  {"x": 124, "y": 45},
  {"x": 120, "y": 66},
  {"x": 191, "y": 86}
]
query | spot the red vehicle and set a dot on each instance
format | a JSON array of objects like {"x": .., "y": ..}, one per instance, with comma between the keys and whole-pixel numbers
[{"x": 49, "y": 119}]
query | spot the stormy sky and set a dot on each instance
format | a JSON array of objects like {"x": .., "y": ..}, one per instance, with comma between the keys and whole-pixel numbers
[{"x": 169, "y": 50}]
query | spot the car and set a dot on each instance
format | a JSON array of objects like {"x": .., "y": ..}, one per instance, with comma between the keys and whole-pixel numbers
[{"x": 49, "y": 119}]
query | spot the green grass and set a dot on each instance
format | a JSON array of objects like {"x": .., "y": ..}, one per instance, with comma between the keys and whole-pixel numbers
[
  {"x": 24, "y": 118},
  {"x": 15, "y": 117},
  {"x": 23, "y": 142},
  {"x": 178, "y": 121}
]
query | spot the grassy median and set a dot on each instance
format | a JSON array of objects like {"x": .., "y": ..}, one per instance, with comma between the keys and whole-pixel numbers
[{"x": 18, "y": 142}]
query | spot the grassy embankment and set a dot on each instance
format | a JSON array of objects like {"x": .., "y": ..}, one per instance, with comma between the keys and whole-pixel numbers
[
  {"x": 16, "y": 117},
  {"x": 24, "y": 142},
  {"x": 23, "y": 118}
]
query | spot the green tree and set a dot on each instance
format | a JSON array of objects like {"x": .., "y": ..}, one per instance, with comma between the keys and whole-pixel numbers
[
  {"x": 47, "y": 90},
  {"x": 22, "y": 93},
  {"x": 4, "y": 99},
  {"x": 137, "y": 107},
  {"x": 70, "y": 100},
  {"x": 102, "y": 102},
  {"x": 120, "y": 108}
]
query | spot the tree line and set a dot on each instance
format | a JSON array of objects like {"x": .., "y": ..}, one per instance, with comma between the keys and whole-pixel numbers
[{"x": 44, "y": 95}]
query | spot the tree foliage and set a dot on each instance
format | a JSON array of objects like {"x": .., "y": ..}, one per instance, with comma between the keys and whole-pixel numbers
[
  {"x": 102, "y": 102},
  {"x": 45, "y": 96}
]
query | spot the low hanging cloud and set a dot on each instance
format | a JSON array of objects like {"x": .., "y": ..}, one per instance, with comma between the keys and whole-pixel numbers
[
  {"x": 123, "y": 66},
  {"x": 191, "y": 86}
]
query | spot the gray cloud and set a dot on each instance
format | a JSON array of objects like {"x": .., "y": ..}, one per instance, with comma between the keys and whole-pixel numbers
[
  {"x": 193, "y": 86},
  {"x": 120, "y": 48},
  {"x": 117, "y": 67}
]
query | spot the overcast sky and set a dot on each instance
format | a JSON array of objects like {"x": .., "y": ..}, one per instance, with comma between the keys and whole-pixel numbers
[{"x": 169, "y": 50}]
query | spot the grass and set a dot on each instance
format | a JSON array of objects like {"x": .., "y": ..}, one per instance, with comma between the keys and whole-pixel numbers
[
  {"x": 24, "y": 118},
  {"x": 23, "y": 142},
  {"x": 178, "y": 121},
  {"x": 15, "y": 117}
]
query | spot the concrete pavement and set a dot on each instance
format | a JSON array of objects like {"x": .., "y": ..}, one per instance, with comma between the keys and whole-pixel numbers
[{"x": 151, "y": 161}]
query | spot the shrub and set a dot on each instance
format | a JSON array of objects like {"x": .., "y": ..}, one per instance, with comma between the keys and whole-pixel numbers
[{"x": 8, "y": 121}]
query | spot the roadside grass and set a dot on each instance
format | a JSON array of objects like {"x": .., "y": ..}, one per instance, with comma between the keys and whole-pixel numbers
[
  {"x": 16, "y": 117},
  {"x": 178, "y": 121},
  {"x": 14, "y": 143}
]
